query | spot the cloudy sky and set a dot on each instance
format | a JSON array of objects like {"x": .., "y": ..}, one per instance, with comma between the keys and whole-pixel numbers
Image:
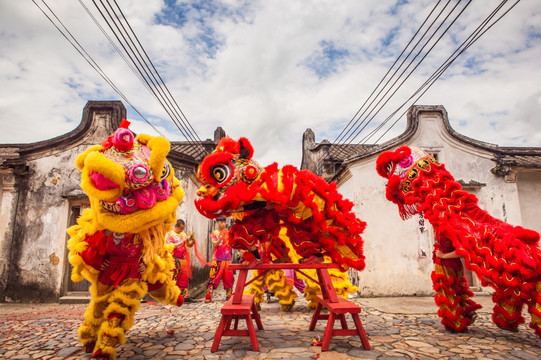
[{"x": 268, "y": 70}]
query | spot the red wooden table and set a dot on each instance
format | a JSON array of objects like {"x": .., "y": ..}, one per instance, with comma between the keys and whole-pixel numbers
[
  {"x": 324, "y": 280},
  {"x": 338, "y": 307}
]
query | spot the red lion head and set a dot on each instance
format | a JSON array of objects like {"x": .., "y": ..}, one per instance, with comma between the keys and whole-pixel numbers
[
  {"x": 401, "y": 167},
  {"x": 227, "y": 176}
]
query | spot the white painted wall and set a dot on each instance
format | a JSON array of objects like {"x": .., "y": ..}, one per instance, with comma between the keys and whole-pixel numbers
[
  {"x": 391, "y": 246},
  {"x": 529, "y": 193}
]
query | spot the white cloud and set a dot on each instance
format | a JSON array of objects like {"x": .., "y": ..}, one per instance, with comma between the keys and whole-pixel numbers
[{"x": 269, "y": 70}]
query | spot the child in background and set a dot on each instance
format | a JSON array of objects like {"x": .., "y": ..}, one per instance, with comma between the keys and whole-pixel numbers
[
  {"x": 221, "y": 258},
  {"x": 183, "y": 266}
]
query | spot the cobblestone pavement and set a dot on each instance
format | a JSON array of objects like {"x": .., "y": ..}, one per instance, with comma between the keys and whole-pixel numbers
[{"x": 48, "y": 331}]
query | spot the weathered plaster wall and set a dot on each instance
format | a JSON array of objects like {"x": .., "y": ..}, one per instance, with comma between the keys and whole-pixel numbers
[
  {"x": 42, "y": 218},
  {"x": 35, "y": 206},
  {"x": 38, "y": 246},
  {"x": 8, "y": 206},
  {"x": 35, "y": 203}
]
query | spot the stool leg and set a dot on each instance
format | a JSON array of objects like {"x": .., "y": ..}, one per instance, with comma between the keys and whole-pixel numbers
[
  {"x": 219, "y": 333},
  {"x": 257, "y": 317},
  {"x": 228, "y": 319},
  {"x": 315, "y": 317},
  {"x": 236, "y": 326},
  {"x": 328, "y": 332},
  {"x": 343, "y": 321},
  {"x": 360, "y": 331},
  {"x": 251, "y": 332}
]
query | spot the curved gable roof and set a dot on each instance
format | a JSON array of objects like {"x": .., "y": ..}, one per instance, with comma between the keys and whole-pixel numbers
[
  {"x": 15, "y": 153},
  {"x": 517, "y": 156}
]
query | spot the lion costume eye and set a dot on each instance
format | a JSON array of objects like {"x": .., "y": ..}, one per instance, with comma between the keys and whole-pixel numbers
[
  {"x": 221, "y": 173},
  {"x": 389, "y": 167},
  {"x": 166, "y": 171}
]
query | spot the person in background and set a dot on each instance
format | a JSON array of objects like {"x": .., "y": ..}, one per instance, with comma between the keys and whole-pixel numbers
[
  {"x": 183, "y": 265},
  {"x": 221, "y": 258}
]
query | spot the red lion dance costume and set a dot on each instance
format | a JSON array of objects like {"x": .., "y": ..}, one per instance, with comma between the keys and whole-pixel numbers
[
  {"x": 503, "y": 256},
  {"x": 118, "y": 243},
  {"x": 262, "y": 201}
]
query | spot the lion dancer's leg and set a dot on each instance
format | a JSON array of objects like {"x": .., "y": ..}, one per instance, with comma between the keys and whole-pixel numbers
[
  {"x": 341, "y": 283},
  {"x": 456, "y": 309},
  {"x": 282, "y": 289},
  {"x": 166, "y": 292},
  {"x": 256, "y": 288},
  {"x": 470, "y": 307},
  {"x": 297, "y": 283},
  {"x": 228, "y": 279},
  {"x": 212, "y": 283},
  {"x": 124, "y": 302},
  {"x": 88, "y": 331},
  {"x": 535, "y": 310},
  {"x": 508, "y": 309},
  {"x": 183, "y": 278},
  {"x": 311, "y": 289}
]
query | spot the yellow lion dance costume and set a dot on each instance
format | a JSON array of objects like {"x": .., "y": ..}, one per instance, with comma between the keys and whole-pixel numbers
[{"x": 118, "y": 243}]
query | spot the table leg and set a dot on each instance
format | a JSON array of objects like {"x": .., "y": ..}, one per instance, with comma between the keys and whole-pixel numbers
[
  {"x": 257, "y": 317},
  {"x": 343, "y": 321},
  {"x": 251, "y": 332},
  {"x": 239, "y": 287},
  {"x": 327, "y": 288}
]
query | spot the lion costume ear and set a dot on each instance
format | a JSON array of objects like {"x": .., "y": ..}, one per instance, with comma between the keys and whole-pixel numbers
[
  {"x": 245, "y": 148},
  {"x": 389, "y": 159}
]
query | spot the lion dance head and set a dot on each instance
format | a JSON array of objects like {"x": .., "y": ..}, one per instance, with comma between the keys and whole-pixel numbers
[
  {"x": 227, "y": 176},
  {"x": 130, "y": 183},
  {"x": 401, "y": 168}
]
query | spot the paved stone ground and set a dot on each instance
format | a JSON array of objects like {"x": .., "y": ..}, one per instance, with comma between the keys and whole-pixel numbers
[{"x": 398, "y": 328}]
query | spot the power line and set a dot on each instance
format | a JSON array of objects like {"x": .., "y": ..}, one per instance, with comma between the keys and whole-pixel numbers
[
  {"x": 80, "y": 49},
  {"x": 472, "y": 38},
  {"x": 157, "y": 73},
  {"x": 150, "y": 77},
  {"x": 419, "y": 63},
  {"x": 340, "y": 137},
  {"x": 354, "y": 132}
]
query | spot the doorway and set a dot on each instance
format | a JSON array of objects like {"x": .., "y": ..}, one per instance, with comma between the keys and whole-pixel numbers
[{"x": 72, "y": 288}]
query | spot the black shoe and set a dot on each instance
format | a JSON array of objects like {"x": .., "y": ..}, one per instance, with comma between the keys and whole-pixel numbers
[{"x": 189, "y": 300}]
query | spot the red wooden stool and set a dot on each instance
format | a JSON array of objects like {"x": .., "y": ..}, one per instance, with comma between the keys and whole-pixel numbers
[
  {"x": 338, "y": 310},
  {"x": 245, "y": 310}
]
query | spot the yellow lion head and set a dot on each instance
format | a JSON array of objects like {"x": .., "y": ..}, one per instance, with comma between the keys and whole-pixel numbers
[{"x": 130, "y": 183}]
